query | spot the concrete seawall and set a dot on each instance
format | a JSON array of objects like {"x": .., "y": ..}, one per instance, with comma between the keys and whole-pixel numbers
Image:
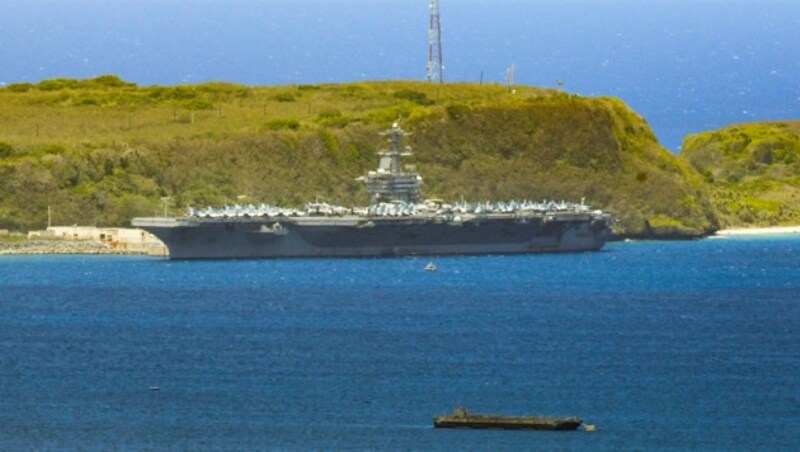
[{"x": 58, "y": 247}]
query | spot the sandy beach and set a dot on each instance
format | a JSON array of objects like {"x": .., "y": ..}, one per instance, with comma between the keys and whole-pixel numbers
[{"x": 777, "y": 230}]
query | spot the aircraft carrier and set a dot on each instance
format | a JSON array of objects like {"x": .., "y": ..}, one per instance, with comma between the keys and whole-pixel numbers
[{"x": 396, "y": 223}]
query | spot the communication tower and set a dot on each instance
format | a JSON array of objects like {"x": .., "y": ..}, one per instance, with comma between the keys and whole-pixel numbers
[{"x": 435, "y": 67}]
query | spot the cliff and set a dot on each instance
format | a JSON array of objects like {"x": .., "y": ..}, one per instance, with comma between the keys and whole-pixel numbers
[
  {"x": 102, "y": 151},
  {"x": 753, "y": 171}
]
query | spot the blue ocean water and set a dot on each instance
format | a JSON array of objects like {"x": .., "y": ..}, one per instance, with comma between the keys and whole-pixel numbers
[
  {"x": 662, "y": 345},
  {"x": 685, "y": 65}
]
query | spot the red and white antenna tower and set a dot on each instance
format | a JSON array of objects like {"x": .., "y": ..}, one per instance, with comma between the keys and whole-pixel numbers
[{"x": 435, "y": 67}]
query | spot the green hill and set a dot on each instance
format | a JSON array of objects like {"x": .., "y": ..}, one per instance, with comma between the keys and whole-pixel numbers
[
  {"x": 753, "y": 171},
  {"x": 102, "y": 151}
]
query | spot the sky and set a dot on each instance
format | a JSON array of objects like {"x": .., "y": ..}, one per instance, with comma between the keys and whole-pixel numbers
[{"x": 686, "y": 66}]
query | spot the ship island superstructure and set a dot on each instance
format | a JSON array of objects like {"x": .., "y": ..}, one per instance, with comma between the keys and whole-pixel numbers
[{"x": 395, "y": 223}]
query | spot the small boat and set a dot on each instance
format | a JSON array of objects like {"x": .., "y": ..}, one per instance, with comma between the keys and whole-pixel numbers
[
  {"x": 431, "y": 267},
  {"x": 461, "y": 419}
]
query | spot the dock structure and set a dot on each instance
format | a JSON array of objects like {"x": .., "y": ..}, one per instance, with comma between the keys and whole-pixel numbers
[{"x": 121, "y": 240}]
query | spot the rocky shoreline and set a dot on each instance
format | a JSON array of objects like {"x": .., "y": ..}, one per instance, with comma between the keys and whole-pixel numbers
[{"x": 58, "y": 247}]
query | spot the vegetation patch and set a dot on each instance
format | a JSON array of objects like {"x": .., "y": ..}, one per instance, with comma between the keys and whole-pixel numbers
[
  {"x": 283, "y": 97},
  {"x": 281, "y": 124},
  {"x": 413, "y": 96},
  {"x": 102, "y": 151},
  {"x": 752, "y": 171}
]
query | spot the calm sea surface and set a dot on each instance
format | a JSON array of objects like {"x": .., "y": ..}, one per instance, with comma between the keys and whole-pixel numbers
[{"x": 661, "y": 345}]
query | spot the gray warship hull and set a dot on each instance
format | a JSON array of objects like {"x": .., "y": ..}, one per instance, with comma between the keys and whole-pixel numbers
[
  {"x": 243, "y": 238},
  {"x": 394, "y": 224}
]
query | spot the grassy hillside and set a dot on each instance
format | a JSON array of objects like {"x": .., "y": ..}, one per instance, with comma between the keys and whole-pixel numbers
[
  {"x": 753, "y": 171},
  {"x": 102, "y": 151}
]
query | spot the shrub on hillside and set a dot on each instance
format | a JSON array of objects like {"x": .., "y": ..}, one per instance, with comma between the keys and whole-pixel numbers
[
  {"x": 20, "y": 87},
  {"x": 57, "y": 84},
  {"x": 413, "y": 96},
  {"x": 6, "y": 150},
  {"x": 199, "y": 104},
  {"x": 281, "y": 124},
  {"x": 283, "y": 97}
]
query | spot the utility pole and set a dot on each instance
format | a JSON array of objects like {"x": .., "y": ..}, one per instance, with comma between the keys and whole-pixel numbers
[
  {"x": 435, "y": 66},
  {"x": 166, "y": 203},
  {"x": 510, "y": 78}
]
